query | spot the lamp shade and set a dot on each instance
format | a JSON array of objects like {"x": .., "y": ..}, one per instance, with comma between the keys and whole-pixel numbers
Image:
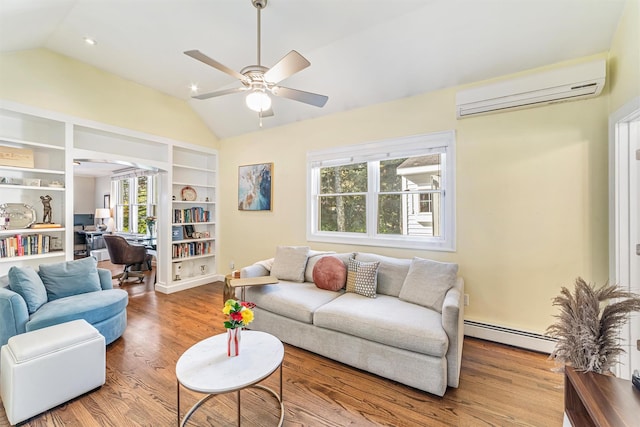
[
  {"x": 103, "y": 213},
  {"x": 258, "y": 101}
]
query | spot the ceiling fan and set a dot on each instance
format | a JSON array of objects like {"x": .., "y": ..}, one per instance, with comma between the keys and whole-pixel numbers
[{"x": 259, "y": 80}]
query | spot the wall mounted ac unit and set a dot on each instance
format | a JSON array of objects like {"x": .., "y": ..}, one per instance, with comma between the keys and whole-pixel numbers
[{"x": 575, "y": 82}]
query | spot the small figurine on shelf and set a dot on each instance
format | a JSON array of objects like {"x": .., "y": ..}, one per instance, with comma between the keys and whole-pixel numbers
[
  {"x": 177, "y": 270},
  {"x": 46, "y": 203}
]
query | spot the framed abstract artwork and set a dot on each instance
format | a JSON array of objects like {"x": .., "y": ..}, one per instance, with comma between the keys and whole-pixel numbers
[{"x": 255, "y": 187}]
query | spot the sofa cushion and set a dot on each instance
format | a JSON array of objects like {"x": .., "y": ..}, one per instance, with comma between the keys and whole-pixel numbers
[
  {"x": 391, "y": 272},
  {"x": 27, "y": 283},
  {"x": 64, "y": 279},
  {"x": 386, "y": 320},
  {"x": 290, "y": 263},
  {"x": 329, "y": 273},
  {"x": 294, "y": 300},
  {"x": 362, "y": 277},
  {"x": 93, "y": 307},
  {"x": 427, "y": 283}
]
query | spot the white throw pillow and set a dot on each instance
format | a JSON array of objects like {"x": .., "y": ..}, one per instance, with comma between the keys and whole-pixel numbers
[
  {"x": 290, "y": 263},
  {"x": 427, "y": 283}
]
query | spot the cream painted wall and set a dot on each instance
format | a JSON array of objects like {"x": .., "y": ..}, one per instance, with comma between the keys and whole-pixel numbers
[
  {"x": 44, "y": 79},
  {"x": 84, "y": 189},
  {"x": 624, "y": 58},
  {"x": 103, "y": 186},
  {"x": 531, "y": 196}
]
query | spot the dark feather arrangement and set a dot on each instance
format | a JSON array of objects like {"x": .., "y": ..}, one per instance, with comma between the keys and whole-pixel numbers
[{"x": 588, "y": 325}]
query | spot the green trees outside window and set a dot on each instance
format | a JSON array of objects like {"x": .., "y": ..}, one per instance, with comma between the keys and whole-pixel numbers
[{"x": 136, "y": 201}]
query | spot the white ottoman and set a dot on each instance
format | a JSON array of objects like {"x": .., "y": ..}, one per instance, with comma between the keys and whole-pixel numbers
[{"x": 44, "y": 368}]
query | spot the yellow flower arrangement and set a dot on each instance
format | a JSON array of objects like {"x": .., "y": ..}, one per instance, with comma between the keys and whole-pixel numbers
[{"x": 240, "y": 313}]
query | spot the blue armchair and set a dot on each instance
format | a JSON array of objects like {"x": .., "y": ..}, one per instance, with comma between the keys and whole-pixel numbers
[{"x": 68, "y": 296}]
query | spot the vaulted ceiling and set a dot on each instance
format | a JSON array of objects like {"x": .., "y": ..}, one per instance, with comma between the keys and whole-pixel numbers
[{"x": 362, "y": 52}]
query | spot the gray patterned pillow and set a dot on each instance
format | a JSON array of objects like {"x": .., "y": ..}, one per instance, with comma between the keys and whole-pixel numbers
[{"x": 362, "y": 277}]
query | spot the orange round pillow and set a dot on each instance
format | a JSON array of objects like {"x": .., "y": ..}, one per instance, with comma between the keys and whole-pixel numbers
[{"x": 330, "y": 273}]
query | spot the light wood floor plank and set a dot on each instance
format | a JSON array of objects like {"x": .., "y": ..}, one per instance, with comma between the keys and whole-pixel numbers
[{"x": 499, "y": 385}]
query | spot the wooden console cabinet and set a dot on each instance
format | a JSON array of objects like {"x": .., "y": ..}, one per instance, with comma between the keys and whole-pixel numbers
[{"x": 592, "y": 399}]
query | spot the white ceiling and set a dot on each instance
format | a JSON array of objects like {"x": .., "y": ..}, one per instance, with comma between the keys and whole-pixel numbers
[{"x": 362, "y": 52}]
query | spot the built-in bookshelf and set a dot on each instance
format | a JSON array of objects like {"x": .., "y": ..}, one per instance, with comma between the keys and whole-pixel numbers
[
  {"x": 193, "y": 246},
  {"x": 32, "y": 185},
  {"x": 37, "y": 150}
]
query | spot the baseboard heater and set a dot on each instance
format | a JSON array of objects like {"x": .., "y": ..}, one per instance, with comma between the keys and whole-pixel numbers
[{"x": 514, "y": 337}]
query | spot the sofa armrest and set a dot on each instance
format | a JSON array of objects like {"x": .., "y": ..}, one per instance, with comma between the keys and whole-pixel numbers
[
  {"x": 254, "y": 270},
  {"x": 106, "y": 282},
  {"x": 453, "y": 324},
  {"x": 13, "y": 315}
]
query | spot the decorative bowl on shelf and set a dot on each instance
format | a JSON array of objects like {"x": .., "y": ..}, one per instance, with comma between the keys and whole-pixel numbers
[
  {"x": 19, "y": 214},
  {"x": 188, "y": 194},
  {"x": 56, "y": 184}
]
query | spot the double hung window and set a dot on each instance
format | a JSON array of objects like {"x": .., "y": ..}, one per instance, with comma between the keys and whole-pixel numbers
[
  {"x": 396, "y": 193},
  {"x": 135, "y": 201}
]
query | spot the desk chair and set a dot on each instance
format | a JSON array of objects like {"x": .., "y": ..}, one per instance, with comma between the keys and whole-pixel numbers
[{"x": 122, "y": 253}]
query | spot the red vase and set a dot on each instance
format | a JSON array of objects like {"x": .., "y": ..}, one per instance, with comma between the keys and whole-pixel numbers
[{"x": 233, "y": 342}]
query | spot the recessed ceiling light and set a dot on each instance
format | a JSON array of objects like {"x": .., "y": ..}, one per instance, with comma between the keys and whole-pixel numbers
[
  {"x": 90, "y": 41},
  {"x": 193, "y": 87}
]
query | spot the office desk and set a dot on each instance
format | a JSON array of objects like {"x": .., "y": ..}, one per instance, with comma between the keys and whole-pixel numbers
[
  {"x": 140, "y": 239},
  {"x": 92, "y": 239}
]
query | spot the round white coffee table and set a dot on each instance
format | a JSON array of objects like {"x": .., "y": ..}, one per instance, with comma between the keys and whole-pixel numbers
[{"x": 206, "y": 368}]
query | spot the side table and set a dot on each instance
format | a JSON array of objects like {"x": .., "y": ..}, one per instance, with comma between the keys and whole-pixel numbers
[
  {"x": 228, "y": 292},
  {"x": 206, "y": 368},
  {"x": 251, "y": 281}
]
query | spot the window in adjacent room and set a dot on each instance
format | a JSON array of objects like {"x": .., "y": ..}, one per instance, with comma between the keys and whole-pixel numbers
[
  {"x": 396, "y": 193},
  {"x": 136, "y": 197}
]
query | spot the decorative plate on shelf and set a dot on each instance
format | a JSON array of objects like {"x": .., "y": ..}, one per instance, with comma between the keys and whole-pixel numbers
[
  {"x": 20, "y": 215},
  {"x": 189, "y": 194}
]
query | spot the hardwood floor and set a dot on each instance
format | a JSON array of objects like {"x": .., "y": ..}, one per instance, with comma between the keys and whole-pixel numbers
[{"x": 499, "y": 385}]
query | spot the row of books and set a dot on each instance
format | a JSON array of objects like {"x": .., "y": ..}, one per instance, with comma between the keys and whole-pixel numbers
[
  {"x": 185, "y": 250},
  {"x": 27, "y": 244},
  {"x": 195, "y": 214}
]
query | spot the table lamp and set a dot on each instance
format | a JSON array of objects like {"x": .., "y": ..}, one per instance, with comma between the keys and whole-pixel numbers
[{"x": 102, "y": 214}]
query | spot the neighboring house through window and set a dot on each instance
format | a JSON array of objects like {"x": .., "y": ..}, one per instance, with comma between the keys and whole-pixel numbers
[{"x": 396, "y": 193}]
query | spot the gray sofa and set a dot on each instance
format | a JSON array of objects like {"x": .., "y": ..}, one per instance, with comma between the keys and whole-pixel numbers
[
  {"x": 58, "y": 293},
  {"x": 386, "y": 335}
]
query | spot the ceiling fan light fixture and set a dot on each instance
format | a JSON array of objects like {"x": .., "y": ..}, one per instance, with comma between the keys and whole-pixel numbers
[
  {"x": 259, "y": 81},
  {"x": 258, "y": 101}
]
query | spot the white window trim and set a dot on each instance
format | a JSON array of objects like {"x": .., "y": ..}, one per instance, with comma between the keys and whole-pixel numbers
[
  {"x": 133, "y": 187},
  {"x": 407, "y": 146}
]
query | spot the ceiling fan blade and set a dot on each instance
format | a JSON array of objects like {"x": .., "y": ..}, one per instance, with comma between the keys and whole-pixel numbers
[
  {"x": 287, "y": 66},
  {"x": 220, "y": 93},
  {"x": 300, "y": 95},
  {"x": 196, "y": 54}
]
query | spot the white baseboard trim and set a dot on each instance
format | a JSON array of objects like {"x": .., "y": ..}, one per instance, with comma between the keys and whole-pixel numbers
[
  {"x": 192, "y": 282},
  {"x": 514, "y": 337}
]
